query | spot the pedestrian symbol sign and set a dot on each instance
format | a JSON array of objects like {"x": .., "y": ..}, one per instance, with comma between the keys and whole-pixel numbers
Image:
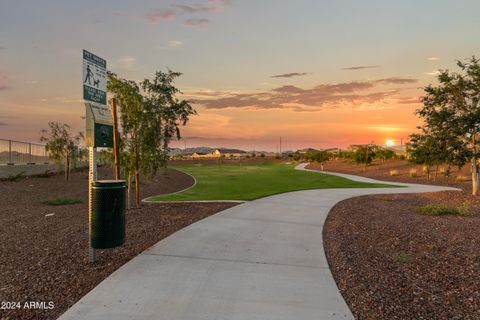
[{"x": 94, "y": 78}]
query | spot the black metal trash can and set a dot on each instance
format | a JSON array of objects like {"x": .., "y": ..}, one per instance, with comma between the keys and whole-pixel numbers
[{"x": 108, "y": 214}]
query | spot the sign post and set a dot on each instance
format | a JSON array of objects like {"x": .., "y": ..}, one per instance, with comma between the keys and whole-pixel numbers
[{"x": 99, "y": 126}]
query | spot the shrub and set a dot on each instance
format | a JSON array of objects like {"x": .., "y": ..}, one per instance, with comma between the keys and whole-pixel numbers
[
  {"x": 442, "y": 210},
  {"x": 461, "y": 178},
  {"x": 394, "y": 173},
  {"x": 413, "y": 173},
  {"x": 403, "y": 257},
  {"x": 61, "y": 201}
]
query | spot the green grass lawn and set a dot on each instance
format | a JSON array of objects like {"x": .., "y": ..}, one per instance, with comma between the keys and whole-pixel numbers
[{"x": 253, "y": 181}]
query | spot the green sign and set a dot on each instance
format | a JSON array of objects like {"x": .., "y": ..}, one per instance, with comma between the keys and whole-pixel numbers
[
  {"x": 99, "y": 126},
  {"x": 94, "y": 78}
]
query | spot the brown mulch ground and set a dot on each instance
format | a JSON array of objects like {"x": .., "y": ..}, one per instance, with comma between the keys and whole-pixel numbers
[
  {"x": 45, "y": 258},
  {"x": 392, "y": 263},
  {"x": 381, "y": 171}
]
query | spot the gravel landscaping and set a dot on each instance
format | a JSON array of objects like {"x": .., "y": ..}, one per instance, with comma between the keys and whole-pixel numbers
[
  {"x": 391, "y": 262},
  {"x": 44, "y": 248}
]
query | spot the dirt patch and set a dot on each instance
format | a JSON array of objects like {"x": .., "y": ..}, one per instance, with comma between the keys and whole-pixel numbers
[
  {"x": 44, "y": 249},
  {"x": 383, "y": 171},
  {"x": 391, "y": 262}
]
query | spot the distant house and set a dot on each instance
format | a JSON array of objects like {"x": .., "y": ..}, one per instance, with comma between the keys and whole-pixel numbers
[
  {"x": 306, "y": 150},
  {"x": 355, "y": 147},
  {"x": 197, "y": 155},
  {"x": 228, "y": 153}
]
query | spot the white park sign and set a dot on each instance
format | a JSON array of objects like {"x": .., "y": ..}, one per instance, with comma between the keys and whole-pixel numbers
[{"x": 94, "y": 78}]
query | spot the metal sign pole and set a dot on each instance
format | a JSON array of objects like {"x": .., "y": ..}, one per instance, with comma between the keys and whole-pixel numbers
[{"x": 92, "y": 177}]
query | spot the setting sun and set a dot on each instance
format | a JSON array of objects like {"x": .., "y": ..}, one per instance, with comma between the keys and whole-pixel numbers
[{"x": 389, "y": 143}]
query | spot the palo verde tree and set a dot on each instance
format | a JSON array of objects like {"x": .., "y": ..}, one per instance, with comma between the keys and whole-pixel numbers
[
  {"x": 451, "y": 112},
  {"x": 150, "y": 116},
  {"x": 364, "y": 155},
  {"x": 61, "y": 145}
]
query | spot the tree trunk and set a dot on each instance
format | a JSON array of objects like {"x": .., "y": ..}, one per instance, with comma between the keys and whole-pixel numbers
[
  {"x": 129, "y": 188},
  {"x": 321, "y": 166},
  {"x": 67, "y": 168},
  {"x": 436, "y": 173},
  {"x": 137, "y": 188},
  {"x": 365, "y": 167},
  {"x": 474, "y": 176}
]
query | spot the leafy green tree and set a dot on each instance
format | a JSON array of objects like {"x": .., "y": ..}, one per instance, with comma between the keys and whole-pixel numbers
[
  {"x": 164, "y": 114},
  {"x": 150, "y": 117},
  {"x": 451, "y": 112},
  {"x": 320, "y": 157},
  {"x": 364, "y": 155},
  {"x": 433, "y": 149},
  {"x": 296, "y": 156},
  {"x": 61, "y": 145},
  {"x": 130, "y": 102},
  {"x": 426, "y": 151},
  {"x": 343, "y": 154},
  {"x": 384, "y": 154}
]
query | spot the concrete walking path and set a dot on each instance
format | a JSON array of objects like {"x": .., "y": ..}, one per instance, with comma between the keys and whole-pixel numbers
[{"x": 262, "y": 259}]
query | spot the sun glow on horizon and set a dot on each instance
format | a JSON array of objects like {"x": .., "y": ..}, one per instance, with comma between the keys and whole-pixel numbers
[{"x": 389, "y": 143}]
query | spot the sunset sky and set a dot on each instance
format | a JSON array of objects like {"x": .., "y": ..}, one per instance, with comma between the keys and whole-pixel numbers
[{"x": 317, "y": 73}]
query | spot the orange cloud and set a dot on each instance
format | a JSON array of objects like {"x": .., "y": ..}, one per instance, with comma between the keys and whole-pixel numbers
[{"x": 355, "y": 94}]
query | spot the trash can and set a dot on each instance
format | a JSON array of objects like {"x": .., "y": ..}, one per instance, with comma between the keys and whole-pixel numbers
[{"x": 108, "y": 214}]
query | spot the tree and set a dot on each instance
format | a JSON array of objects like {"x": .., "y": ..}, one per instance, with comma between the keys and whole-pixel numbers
[
  {"x": 318, "y": 156},
  {"x": 150, "y": 118},
  {"x": 164, "y": 114},
  {"x": 130, "y": 102},
  {"x": 451, "y": 112},
  {"x": 364, "y": 155},
  {"x": 432, "y": 149},
  {"x": 384, "y": 154},
  {"x": 426, "y": 150},
  {"x": 60, "y": 144}
]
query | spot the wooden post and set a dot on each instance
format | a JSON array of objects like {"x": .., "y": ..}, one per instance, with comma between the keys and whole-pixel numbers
[{"x": 115, "y": 139}]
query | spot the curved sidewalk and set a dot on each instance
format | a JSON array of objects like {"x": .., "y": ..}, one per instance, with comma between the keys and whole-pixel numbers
[{"x": 263, "y": 259}]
